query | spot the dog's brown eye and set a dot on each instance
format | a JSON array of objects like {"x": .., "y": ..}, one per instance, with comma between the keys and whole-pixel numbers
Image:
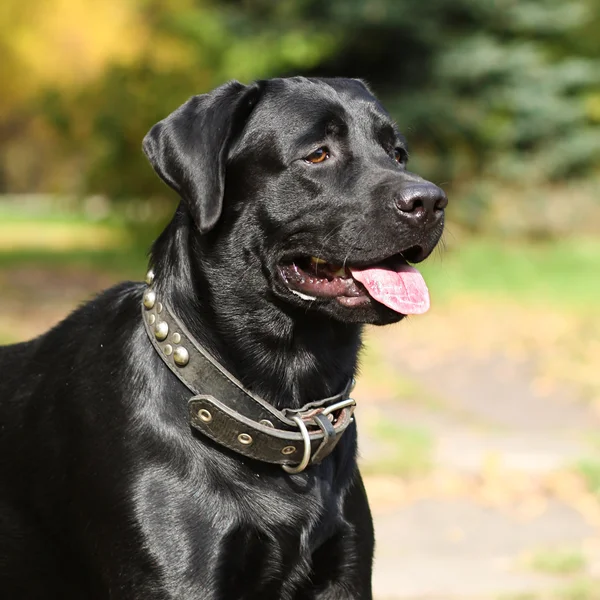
[
  {"x": 318, "y": 156},
  {"x": 400, "y": 155}
]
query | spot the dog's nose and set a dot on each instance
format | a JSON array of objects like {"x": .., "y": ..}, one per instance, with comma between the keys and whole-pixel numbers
[{"x": 422, "y": 202}]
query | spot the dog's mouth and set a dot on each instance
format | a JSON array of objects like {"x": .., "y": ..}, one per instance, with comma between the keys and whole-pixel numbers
[{"x": 392, "y": 282}]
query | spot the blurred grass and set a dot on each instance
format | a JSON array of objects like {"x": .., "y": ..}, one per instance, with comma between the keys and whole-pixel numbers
[
  {"x": 60, "y": 236},
  {"x": 403, "y": 452},
  {"x": 581, "y": 589},
  {"x": 584, "y": 588},
  {"x": 57, "y": 239},
  {"x": 562, "y": 273},
  {"x": 382, "y": 380},
  {"x": 589, "y": 470},
  {"x": 558, "y": 561},
  {"x": 129, "y": 262}
]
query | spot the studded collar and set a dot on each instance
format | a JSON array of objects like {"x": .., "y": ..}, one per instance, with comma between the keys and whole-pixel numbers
[{"x": 231, "y": 415}]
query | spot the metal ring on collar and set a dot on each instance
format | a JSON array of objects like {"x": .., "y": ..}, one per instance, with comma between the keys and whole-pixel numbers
[
  {"x": 306, "y": 458},
  {"x": 338, "y": 406}
]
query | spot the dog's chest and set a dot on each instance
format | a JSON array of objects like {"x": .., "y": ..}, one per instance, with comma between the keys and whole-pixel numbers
[
  {"x": 299, "y": 512},
  {"x": 254, "y": 538},
  {"x": 275, "y": 545}
]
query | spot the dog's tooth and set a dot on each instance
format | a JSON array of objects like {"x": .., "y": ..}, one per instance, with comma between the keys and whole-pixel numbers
[
  {"x": 303, "y": 296},
  {"x": 317, "y": 261},
  {"x": 341, "y": 272}
]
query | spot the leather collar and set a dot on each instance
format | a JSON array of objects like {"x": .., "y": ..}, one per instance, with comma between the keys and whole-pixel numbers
[{"x": 231, "y": 415}]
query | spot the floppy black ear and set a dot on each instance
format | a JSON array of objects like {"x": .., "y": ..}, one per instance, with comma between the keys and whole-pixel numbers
[{"x": 189, "y": 148}]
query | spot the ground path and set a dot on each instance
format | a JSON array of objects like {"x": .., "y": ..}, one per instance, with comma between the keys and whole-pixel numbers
[
  {"x": 499, "y": 488},
  {"x": 500, "y": 491}
]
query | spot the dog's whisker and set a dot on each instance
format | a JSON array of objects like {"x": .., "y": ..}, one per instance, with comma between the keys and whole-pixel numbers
[{"x": 331, "y": 233}]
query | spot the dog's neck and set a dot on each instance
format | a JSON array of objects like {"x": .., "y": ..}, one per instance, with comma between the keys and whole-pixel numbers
[{"x": 286, "y": 359}]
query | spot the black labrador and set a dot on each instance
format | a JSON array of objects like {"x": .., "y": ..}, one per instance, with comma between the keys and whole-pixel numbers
[{"x": 297, "y": 225}]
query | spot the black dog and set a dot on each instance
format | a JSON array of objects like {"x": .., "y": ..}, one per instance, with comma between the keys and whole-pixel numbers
[{"x": 296, "y": 223}]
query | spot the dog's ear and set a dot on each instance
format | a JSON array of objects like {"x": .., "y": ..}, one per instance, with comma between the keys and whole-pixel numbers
[{"x": 189, "y": 148}]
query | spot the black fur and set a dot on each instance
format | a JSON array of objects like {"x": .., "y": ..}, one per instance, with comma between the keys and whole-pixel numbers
[{"x": 105, "y": 491}]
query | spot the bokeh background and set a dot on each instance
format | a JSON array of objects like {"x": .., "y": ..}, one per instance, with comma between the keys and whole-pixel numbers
[{"x": 479, "y": 421}]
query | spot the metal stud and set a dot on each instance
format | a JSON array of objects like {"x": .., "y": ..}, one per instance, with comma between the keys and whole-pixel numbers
[
  {"x": 149, "y": 299},
  {"x": 205, "y": 415},
  {"x": 288, "y": 450},
  {"x": 176, "y": 338},
  {"x": 161, "y": 331},
  {"x": 181, "y": 356},
  {"x": 168, "y": 349},
  {"x": 151, "y": 319},
  {"x": 150, "y": 277},
  {"x": 245, "y": 439},
  {"x": 159, "y": 307},
  {"x": 266, "y": 423}
]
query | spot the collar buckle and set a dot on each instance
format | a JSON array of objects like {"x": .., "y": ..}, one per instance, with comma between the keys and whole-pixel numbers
[{"x": 320, "y": 417}]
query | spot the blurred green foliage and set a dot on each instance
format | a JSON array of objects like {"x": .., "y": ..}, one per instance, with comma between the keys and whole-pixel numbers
[{"x": 501, "y": 95}]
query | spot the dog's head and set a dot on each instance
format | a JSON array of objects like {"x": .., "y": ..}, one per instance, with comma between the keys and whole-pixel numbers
[{"x": 300, "y": 192}]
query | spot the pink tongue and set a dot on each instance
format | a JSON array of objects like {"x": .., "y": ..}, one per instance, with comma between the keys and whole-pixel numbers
[{"x": 403, "y": 289}]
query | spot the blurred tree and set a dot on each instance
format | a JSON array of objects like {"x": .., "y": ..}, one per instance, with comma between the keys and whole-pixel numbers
[
  {"x": 57, "y": 45},
  {"x": 505, "y": 92},
  {"x": 507, "y": 88},
  {"x": 498, "y": 95},
  {"x": 182, "y": 47}
]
